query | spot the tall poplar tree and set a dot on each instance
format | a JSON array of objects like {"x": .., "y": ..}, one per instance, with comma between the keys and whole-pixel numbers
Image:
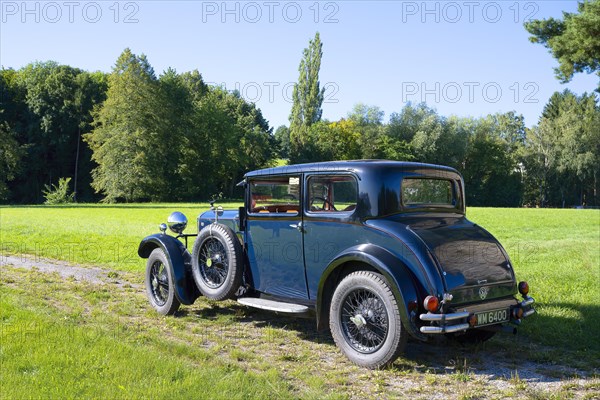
[{"x": 307, "y": 97}]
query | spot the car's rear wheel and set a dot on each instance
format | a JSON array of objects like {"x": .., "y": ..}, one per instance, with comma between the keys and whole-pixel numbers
[
  {"x": 365, "y": 320},
  {"x": 217, "y": 262},
  {"x": 159, "y": 284}
]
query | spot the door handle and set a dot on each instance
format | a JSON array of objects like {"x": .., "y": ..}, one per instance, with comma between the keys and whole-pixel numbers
[{"x": 297, "y": 226}]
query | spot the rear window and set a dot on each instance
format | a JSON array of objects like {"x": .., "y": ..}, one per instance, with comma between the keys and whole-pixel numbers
[{"x": 428, "y": 192}]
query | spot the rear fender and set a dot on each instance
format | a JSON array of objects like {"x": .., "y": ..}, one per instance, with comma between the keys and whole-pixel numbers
[
  {"x": 180, "y": 262},
  {"x": 382, "y": 261}
]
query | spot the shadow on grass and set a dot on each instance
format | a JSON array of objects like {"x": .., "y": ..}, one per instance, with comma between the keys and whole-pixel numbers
[
  {"x": 564, "y": 335},
  {"x": 548, "y": 350},
  {"x": 304, "y": 327}
]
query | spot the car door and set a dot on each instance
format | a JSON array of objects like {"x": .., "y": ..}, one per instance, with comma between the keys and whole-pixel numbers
[
  {"x": 328, "y": 225},
  {"x": 274, "y": 236}
]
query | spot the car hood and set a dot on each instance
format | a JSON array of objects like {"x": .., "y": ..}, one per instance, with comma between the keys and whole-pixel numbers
[{"x": 467, "y": 256}]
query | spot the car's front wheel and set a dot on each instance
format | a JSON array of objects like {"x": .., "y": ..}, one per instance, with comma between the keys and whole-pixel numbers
[
  {"x": 365, "y": 320},
  {"x": 159, "y": 284}
]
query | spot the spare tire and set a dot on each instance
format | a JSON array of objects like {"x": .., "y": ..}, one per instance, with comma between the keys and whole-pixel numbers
[{"x": 217, "y": 262}]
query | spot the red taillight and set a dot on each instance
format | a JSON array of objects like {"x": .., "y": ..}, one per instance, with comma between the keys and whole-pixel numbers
[
  {"x": 523, "y": 288},
  {"x": 431, "y": 303}
]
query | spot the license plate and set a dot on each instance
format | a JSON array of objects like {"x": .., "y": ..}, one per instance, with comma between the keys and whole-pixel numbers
[{"x": 493, "y": 317}]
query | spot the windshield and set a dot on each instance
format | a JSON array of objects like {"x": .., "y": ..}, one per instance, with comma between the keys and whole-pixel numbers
[{"x": 428, "y": 192}]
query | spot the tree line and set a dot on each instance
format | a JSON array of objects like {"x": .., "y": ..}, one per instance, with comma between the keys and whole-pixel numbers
[
  {"x": 555, "y": 163},
  {"x": 125, "y": 136},
  {"x": 133, "y": 136},
  {"x": 130, "y": 135}
]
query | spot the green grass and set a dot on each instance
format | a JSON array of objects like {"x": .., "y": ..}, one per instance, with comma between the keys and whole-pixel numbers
[
  {"x": 80, "y": 349},
  {"x": 558, "y": 253},
  {"x": 106, "y": 235},
  {"x": 67, "y": 339}
]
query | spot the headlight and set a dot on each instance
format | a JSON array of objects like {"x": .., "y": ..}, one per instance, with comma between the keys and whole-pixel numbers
[{"x": 177, "y": 222}]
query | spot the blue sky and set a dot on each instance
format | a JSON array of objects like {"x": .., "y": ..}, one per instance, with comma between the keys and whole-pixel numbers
[{"x": 468, "y": 58}]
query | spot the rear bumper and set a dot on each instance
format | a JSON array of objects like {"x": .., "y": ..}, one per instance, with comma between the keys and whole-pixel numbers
[{"x": 465, "y": 318}]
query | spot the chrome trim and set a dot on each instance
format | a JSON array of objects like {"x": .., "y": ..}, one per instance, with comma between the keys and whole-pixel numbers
[
  {"x": 528, "y": 313},
  {"x": 444, "y": 329},
  {"x": 527, "y": 301},
  {"x": 443, "y": 317}
]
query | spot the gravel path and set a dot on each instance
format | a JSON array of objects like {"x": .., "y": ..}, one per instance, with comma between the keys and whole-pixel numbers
[{"x": 96, "y": 275}]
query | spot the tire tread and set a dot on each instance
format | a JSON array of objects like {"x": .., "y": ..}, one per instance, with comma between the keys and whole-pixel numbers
[{"x": 384, "y": 356}]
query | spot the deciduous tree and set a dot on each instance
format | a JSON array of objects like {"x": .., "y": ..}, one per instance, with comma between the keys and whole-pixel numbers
[{"x": 127, "y": 134}]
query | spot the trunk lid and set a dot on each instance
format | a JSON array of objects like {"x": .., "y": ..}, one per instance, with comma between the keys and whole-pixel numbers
[{"x": 473, "y": 265}]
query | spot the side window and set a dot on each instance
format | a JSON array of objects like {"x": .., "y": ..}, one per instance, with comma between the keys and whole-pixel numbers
[
  {"x": 332, "y": 193},
  {"x": 278, "y": 195}
]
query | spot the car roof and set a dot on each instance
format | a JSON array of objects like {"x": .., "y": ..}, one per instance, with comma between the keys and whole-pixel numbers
[{"x": 356, "y": 166}]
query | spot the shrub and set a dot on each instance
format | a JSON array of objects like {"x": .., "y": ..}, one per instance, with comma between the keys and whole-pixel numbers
[{"x": 59, "y": 194}]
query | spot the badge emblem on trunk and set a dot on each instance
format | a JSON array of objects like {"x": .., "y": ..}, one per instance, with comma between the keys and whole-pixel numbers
[{"x": 483, "y": 292}]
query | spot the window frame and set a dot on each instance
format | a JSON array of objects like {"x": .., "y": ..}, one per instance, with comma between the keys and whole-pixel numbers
[
  {"x": 327, "y": 213},
  {"x": 456, "y": 195},
  {"x": 274, "y": 178}
]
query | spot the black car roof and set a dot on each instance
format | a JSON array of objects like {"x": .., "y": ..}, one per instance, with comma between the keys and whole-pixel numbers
[{"x": 352, "y": 165}]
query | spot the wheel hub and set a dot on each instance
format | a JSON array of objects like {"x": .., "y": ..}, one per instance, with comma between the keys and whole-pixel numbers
[
  {"x": 216, "y": 259},
  {"x": 358, "y": 320}
]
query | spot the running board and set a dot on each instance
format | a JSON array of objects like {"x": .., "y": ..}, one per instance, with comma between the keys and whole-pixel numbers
[{"x": 271, "y": 305}]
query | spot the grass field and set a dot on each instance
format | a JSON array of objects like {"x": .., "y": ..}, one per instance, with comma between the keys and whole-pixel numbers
[{"x": 117, "y": 347}]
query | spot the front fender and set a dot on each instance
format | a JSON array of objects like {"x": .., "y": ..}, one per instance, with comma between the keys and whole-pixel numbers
[
  {"x": 180, "y": 261},
  {"x": 392, "y": 268}
]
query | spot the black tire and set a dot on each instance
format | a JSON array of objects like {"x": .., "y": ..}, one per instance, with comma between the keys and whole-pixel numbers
[
  {"x": 365, "y": 321},
  {"x": 473, "y": 336},
  {"x": 217, "y": 262},
  {"x": 159, "y": 284}
]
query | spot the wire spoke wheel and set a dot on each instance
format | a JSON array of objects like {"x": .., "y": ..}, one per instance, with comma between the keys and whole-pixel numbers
[
  {"x": 159, "y": 282},
  {"x": 364, "y": 320},
  {"x": 214, "y": 263},
  {"x": 217, "y": 262}
]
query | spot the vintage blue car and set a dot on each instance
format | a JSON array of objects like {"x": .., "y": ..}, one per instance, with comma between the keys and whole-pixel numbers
[{"x": 376, "y": 250}]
